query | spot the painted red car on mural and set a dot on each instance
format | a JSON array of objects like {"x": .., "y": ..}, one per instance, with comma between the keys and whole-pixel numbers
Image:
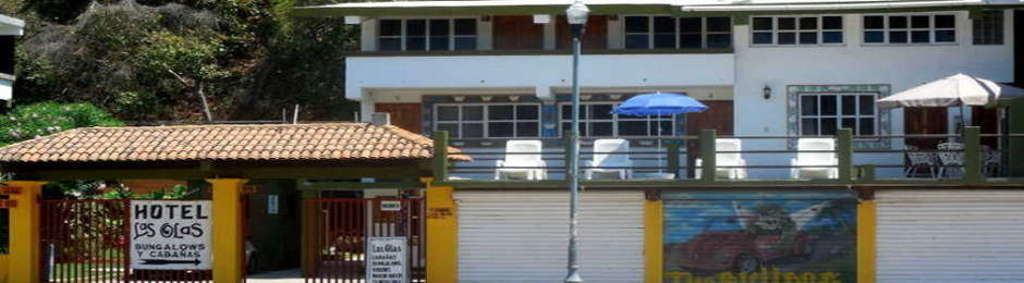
[{"x": 743, "y": 250}]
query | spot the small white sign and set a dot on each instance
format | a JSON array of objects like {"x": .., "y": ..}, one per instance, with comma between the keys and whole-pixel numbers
[
  {"x": 272, "y": 204},
  {"x": 171, "y": 235},
  {"x": 386, "y": 260},
  {"x": 390, "y": 205}
]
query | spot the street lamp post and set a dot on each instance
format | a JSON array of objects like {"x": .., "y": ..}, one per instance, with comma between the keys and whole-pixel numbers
[{"x": 577, "y": 16}]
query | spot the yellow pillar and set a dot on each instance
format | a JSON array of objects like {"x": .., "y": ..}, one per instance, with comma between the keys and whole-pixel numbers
[
  {"x": 866, "y": 219},
  {"x": 654, "y": 223},
  {"x": 442, "y": 234},
  {"x": 228, "y": 236},
  {"x": 24, "y": 258}
]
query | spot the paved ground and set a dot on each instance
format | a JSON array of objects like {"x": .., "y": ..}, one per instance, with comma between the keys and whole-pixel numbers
[{"x": 285, "y": 276}]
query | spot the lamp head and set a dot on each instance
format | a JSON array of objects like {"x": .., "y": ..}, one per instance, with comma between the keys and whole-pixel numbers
[
  {"x": 577, "y": 13},
  {"x": 767, "y": 91}
]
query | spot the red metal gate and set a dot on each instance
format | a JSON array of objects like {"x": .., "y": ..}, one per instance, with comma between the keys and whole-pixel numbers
[
  {"x": 338, "y": 230},
  {"x": 89, "y": 241}
]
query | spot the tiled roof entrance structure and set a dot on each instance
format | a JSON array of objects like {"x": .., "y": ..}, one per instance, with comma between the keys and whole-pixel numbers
[{"x": 212, "y": 150}]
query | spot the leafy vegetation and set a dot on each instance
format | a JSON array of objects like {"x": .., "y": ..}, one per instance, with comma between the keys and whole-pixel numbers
[
  {"x": 40, "y": 119},
  {"x": 150, "y": 61}
]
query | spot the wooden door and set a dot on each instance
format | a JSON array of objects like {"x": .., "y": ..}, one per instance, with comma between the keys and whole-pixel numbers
[
  {"x": 517, "y": 33},
  {"x": 407, "y": 116},
  {"x": 925, "y": 121},
  {"x": 988, "y": 120},
  {"x": 719, "y": 117},
  {"x": 595, "y": 37}
]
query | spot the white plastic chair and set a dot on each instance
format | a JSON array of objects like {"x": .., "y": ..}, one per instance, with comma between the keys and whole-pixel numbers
[
  {"x": 727, "y": 159},
  {"x": 951, "y": 154},
  {"x": 919, "y": 160},
  {"x": 610, "y": 153},
  {"x": 805, "y": 158},
  {"x": 522, "y": 158}
]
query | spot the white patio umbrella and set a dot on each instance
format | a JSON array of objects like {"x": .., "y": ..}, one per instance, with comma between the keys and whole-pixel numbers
[{"x": 956, "y": 90}]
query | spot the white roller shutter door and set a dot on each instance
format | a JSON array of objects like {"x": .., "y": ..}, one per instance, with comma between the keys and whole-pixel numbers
[
  {"x": 521, "y": 236},
  {"x": 950, "y": 235}
]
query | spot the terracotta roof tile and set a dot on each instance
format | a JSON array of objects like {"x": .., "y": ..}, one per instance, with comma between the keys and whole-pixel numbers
[{"x": 326, "y": 141}]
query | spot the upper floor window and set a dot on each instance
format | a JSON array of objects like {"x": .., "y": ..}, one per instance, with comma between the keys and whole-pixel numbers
[
  {"x": 910, "y": 29},
  {"x": 596, "y": 120},
  {"x": 488, "y": 120},
  {"x": 988, "y": 28},
  {"x": 826, "y": 113},
  {"x": 781, "y": 31},
  {"x": 426, "y": 34},
  {"x": 665, "y": 32}
]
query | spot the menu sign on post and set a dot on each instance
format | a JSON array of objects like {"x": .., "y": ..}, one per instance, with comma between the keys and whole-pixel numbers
[
  {"x": 386, "y": 260},
  {"x": 171, "y": 235}
]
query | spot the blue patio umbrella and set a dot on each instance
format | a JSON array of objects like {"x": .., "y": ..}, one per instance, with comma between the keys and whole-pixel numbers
[{"x": 658, "y": 104}]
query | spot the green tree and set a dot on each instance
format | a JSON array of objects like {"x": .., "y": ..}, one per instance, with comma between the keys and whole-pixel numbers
[{"x": 40, "y": 119}]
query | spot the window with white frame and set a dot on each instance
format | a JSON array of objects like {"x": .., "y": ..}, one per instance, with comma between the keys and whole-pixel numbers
[
  {"x": 988, "y": 27},
  {"x": 465, "y": 120},
  {"x": 826, "y": 113},
  {"x": 910, "y": 29},
  {"x": 596, "y": 120},
  {"x": 666, "y": 32},
  {"x": 797, "y": 30},
  {"x": 426, "y": 34}
]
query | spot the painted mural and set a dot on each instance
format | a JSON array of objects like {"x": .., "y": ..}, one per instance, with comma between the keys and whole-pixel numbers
[{"x": 778, "y": 238}]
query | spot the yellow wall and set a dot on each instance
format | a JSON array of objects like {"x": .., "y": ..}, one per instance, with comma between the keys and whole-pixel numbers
[
  {"x": 442, "y": 234},
  {"x": 24, "y": 222},
  {"x": 227, "y": 230},
  {"x": 3, "y": 268},
  {"x": 653, "y": 245},
  {"x": 866, "y": 219}
]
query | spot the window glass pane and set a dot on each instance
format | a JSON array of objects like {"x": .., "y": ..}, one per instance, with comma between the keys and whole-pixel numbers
[
  {"x": 762, "y": 23},
  {"x": 787, "y": 23},
  {"x": 897, "y": 37},
  {"x": 690, "y": 24},
  {"x": 787, "y": 38},
  {"x": 946, "y": 21},
  {"x": 390, "y": 44},
  {"x": 809, "y": 127},
  {"x": 874, "y": 22},
  {"x": 665, "y": 129},
  {"x": 920, "y": 36},
  {"x": 897, "y": 22},
  {"x": 465, "y": 27},
  {"x": 452, "y": 129},
  {"x": 499, "y": 129},
  {"x": 600, "y": 111},
  {"x": 637, "y": 41},
  {"x": 473, "y": 113},
  {"x": 829, "y": 126},
  {"x": 945, "y": 36},
  {"x": 598, "y": 129},
  {"x": 832, "y": 22},
  {"x": 500, "y": 112},
  {"x": 438, "y": 43},
  {"x": 633, "y": 128},
  {"x": 465, "y": 43},
  {"x": 808, "y": 38},
  {"x": 762, "y": 38},
  {"x": 664, "y": 24},
  {"x": 439, "y": 27},
  {"x": 719, "y": 24},
  {"x": 415, "y": 27},
  {"x": 637, "y": 24},
  {"x": 987, "y": 27},
  {"x": 720, "y": 40},
  {"x": 920, "y": 22},
  {"x": 867, "y": 126},
  {"x": 527, "y": 112},
  {"x": 527, "y": 129},
  {"x": 867, "y": 105},
  {"x": 874, "y": 36},
  {"x": 832, "y": 37},
  {"x": 390, "y": 27},
  {"x": 849, "y": 123},
  {"x": 473, "y": 130},
  {"x": 566, "y": 112},
  {"x": 415, "y": 43},
  {"x": 809, "y": 23},
  {"x": 828, "y": 105},
  {"x": 849, "y": 105},
  {"x": 447, "y": 113},
  {"x": 665, "y": 40},
  {"x": 809, "y": 105},
  {"x": 691, "y": 41}
]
